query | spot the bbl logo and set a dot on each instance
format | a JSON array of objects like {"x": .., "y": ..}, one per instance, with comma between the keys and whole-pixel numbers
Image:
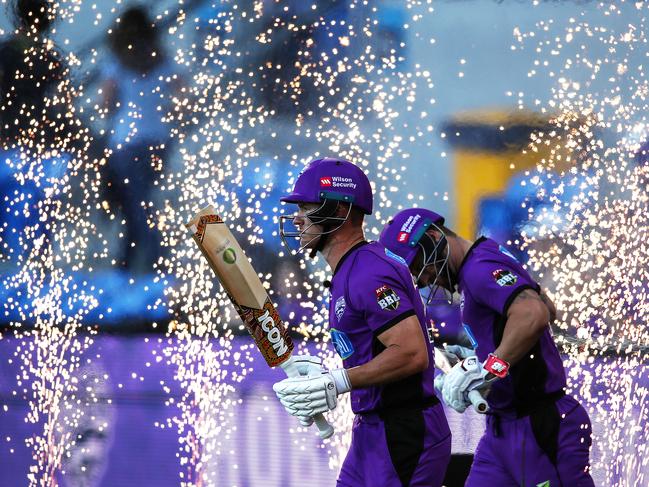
[
  {"x": 387, "y": 298},
  {"x": 229, "y": 256},
  {"x": 504, "y": 277}
]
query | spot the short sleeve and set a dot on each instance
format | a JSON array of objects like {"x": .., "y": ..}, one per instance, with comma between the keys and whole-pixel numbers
[
  {"x": 495, "y": 283},
  {"x": 381, "y": 292}
]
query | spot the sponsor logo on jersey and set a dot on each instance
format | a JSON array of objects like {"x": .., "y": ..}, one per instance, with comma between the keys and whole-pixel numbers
[
  {"x": 387, "y": 298},
  {"x": 342, "y": 343},
  {"x": 396, "y": 257},
  {"x": 504, "y": 277},
  {"x": 403, "y": 237},
  {"x": 337, "y": 182},
  {"x": 340, "y": 307}
]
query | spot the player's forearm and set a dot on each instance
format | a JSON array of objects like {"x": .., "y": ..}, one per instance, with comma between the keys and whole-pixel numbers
[
  {"x": 520, "y": 335},
  {"x": 393, "y": 364}
]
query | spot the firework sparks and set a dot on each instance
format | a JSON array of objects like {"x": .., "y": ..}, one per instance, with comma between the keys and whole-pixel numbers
[
  {"x": 266, "y": 88},
  {"x": 588, "y": 242},
  {"x": 251, "y": 118}
]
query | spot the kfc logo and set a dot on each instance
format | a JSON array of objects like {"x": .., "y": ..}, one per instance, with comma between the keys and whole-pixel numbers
[
  {"x": 402, "y": 237},
  {"x": 326, "y": 182}
]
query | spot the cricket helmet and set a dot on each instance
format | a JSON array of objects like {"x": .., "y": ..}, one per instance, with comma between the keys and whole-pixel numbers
[
  {"x": 403, "y": 233},
  {"x": 332, "y": 179},
  {"x": 407, "y": 236}
]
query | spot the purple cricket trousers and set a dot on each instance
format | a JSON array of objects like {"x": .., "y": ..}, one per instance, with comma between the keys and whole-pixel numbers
[
  {"x": 528, "y": 452},
  {"x": 401, "y": 447}
]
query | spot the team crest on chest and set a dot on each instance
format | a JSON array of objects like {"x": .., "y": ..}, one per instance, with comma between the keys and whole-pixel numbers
[
  {"x": 339, "y": 308},
  {"x": 387, "y": 298},
  {"x": 504, "y": 277}
]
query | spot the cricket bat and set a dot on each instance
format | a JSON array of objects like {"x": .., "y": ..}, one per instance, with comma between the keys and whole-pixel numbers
[
  {"x": 445, "y": 361},
  {"x": 247, "y": 294}
]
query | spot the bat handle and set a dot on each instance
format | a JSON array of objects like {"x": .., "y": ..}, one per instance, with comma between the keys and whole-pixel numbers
[
  {"x": 479, "y": 403},
  {"x": 325, "y": 430}
]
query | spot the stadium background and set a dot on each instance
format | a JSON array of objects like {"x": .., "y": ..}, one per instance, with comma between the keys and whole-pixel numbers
[{"x": 481, "y": 106}]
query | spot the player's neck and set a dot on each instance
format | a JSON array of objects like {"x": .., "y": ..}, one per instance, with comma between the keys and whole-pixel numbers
[
  {"x": 459, "y": 248},
  {"x": 338, "y": 245}
]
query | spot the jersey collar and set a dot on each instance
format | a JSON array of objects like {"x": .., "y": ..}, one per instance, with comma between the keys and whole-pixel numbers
[
  {"x": 468, "y": 253},
  {"x": 347, "y": 254}
]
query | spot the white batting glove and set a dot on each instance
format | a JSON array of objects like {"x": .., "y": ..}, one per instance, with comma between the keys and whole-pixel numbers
[
  {"x": 303, "y": 365},
  {"x": 439, "y": 382},
  {"x": 453, "y": 354},
  {"x": 469, "y": 375},
  {"x": 460, "y": 351},
  {"x": 313, "y": 394},
  {"x": 464, "y": 377},
  {"x": 297, "y": 365}
]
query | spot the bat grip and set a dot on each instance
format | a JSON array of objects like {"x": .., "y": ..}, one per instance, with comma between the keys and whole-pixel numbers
[
  {"x": 479, "y": 403},
  {"x": 325, "y": 430}
]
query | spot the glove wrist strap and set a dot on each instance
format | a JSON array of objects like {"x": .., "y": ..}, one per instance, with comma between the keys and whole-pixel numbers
[
  {"x": 341, "y": 379},
  {"x": 496, "y": 366}
]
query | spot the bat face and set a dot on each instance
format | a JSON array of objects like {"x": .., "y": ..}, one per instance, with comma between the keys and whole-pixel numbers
[
  {"x": 242, "y": 285},
  {"x": 247, "y": 293},
  {"x": 266, "y": 328}
]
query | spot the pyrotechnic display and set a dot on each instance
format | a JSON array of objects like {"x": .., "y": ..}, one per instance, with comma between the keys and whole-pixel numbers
[{"x": 335, "y": 242}]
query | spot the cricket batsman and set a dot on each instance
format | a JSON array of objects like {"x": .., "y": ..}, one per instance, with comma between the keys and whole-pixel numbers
[
  {"x": 536, "y": 435},
  {"x": 400, "y": 436}
]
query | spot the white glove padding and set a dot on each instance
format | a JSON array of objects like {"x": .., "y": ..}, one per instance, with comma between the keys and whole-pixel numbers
[
  {"x": 313, "y": 394},
  {"x": 297, "y": 365},
  {"x": 460, "y": 351},
  {"x": 303, "y": 365},
  {"x": 465, "y": 376}
]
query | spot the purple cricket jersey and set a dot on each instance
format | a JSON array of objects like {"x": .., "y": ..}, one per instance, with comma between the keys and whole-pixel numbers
[
  {"x": 371, "y": 291},
  {"x": 489, "y": 280}
]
